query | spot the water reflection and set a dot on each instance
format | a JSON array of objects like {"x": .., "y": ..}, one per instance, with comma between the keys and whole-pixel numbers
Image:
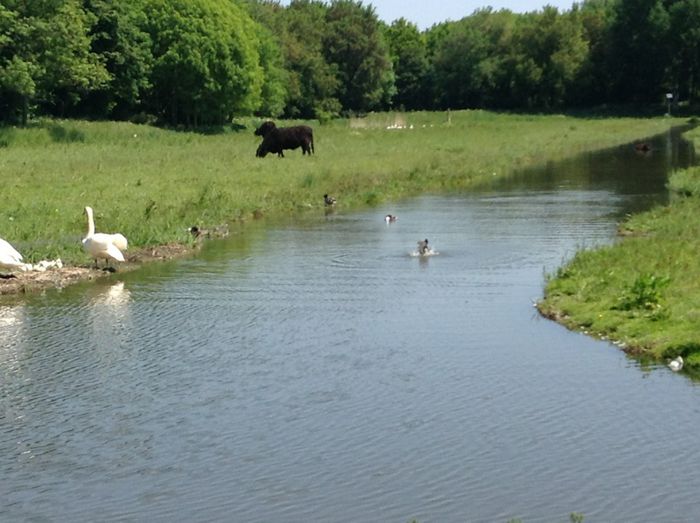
[
  {"x": 109, "y": 311},
  {"x": 13, "y": 331}
]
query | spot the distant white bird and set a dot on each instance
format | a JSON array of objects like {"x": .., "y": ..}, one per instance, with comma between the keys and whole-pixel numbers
[
  {"x": 676, "y": 364},
  {"x": 389, "y": 218},
  {"x": 10, "y": 259},
  {"x": 103, "y": 245}
]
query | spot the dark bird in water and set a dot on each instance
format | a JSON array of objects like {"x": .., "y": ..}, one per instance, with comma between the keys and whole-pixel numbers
[
  {"x": 200, "y": 232},
  {"x": 389, "y": 218},
  {"x": 423, "y": 246},
  {"x": 328, "y": 200}
]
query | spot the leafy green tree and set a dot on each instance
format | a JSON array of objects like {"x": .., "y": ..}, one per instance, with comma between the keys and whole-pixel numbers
[
  {"x": 45, "y": 56},
  {"x": 469, "y": 60},
  {"x": 18, "y": 72},
  {"x": 206, "y": 63},
  {"x": 638, "y": 52},
  {"x": 684, "y": 47},
  {"x": 591, "y": 85},
  {"x": 313, "y": 82},
  {"x": 68, "y": 68},
  {"x": 548, "y": 51},
  {"x": 408, "y": 50},
  {"x": 355, "y": 46},
  {"x": 119, "y": 38}
]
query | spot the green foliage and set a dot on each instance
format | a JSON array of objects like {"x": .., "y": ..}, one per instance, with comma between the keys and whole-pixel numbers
[
  {"x": 409, "y": 58},
  {"x": 201, "y": 62},
  {"x": 355, "y": 47},
  {"x": 120, "y": 40},
  {"x": 644, "y": 293},
  {"x": 685, "y": 182},
  {"x": 206, "y": 61}
]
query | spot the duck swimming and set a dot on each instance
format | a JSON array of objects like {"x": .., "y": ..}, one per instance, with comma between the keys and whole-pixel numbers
[
  {"x": 423, "y": 247},
  {"x": 390, "y": 218}
]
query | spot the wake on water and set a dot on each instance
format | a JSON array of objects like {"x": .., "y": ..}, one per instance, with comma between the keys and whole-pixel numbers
[{"x": 429, "y": 252}]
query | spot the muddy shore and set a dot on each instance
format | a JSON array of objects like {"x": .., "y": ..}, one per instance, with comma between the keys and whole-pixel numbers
[{"x": 55, "y": 278}]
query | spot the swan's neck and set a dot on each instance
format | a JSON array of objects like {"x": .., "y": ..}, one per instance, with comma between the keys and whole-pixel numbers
[{"x": 91, "y": 223}]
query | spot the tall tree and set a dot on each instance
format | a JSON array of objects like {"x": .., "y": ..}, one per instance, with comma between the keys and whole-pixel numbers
[
  {"x": 684, "y": 44},
  {"x": 410, "y": 63},
  {"x": 549, "y": 50},
  {"x": 206, "y": 62},
  {"x": 638, "y": 55},
  {"x": 354, "y": 44},
  {"x": 469, "y": 60},
  {"x": 46, "y": 57},
  {"x": 120, "y": 39}
]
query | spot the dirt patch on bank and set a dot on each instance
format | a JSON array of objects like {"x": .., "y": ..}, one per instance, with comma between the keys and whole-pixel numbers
[{"x": 58, "y": 278}]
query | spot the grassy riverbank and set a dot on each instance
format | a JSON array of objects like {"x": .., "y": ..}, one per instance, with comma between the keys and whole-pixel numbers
[
  {"x": 645, "y": 290},
  {"x": 151, "y": 184}
]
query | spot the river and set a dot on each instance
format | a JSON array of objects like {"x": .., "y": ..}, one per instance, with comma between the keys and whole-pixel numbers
[{"x": 316, "y": 370}]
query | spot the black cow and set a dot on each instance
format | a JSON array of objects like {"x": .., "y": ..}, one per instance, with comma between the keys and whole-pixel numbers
[{"x": 276, "y": 139}]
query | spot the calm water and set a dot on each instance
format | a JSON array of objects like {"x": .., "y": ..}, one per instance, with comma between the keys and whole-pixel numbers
[{"x": 316, "y": 371}]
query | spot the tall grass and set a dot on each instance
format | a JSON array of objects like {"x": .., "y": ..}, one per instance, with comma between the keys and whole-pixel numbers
[
  {"x": 645, "y": 289},
  {"x": 151, "y": 184}
]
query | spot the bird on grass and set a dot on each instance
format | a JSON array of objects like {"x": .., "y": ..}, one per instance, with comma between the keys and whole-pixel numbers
[
  {"x": 328, "y": 200},
  {"x": 676, "y": 364},
  {"x": 103, "y": 245}
]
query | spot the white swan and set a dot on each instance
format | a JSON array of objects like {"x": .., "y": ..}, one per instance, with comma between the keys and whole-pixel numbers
[
  {"x": 103, "y": 245},
  {"x": 10, "y": 259},
  {"x": 676, "y": 364}
]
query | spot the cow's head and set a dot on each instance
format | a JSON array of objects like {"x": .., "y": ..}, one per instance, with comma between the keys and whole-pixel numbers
[{"x": 264, "y": 128}]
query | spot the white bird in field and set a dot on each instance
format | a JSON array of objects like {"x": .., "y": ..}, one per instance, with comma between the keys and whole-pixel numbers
[
  {"x": 103, "y": 245},
  {"x": 10, "y": 259},
  {"x": 676, "y": 364}
]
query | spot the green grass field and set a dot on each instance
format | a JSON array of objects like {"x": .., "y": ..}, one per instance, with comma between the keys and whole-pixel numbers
[
  {"x": 151, "y": 184},
  {"x": 645, "y": 290}
]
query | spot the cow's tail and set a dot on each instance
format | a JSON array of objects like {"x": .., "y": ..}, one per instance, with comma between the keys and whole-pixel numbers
[{"x": 312, "y": 144}]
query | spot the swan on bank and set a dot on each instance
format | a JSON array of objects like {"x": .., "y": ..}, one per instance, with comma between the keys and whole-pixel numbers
[
  {"x": 10, "y": 259},
  {"x": 103, "y": 245}
]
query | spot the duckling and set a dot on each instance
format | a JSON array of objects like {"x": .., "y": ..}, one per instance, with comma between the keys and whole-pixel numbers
[
  {"x": 328, "y": 200},
  {"x": 423, "y": 247},
  {"x": 676, "y": 364},
  {"x": 390, "y": 218}
]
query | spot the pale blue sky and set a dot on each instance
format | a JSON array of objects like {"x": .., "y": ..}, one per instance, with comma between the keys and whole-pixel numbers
[{"x": 425, "y": 13}]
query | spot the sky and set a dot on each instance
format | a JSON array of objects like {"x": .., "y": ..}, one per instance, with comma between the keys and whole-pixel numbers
[{"x": 425, "y": 13}]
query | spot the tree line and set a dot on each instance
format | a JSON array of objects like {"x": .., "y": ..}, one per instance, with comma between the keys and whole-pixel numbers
[{"x": 202, "y": 62}]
